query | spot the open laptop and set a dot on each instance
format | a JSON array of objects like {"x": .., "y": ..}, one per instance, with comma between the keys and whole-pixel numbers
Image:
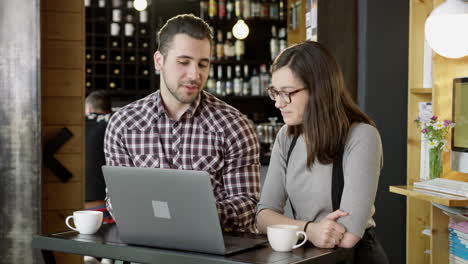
[{"x": 172, "y": 209}]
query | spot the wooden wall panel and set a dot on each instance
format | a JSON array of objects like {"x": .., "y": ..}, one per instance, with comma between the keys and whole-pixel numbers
[
  {"x": 63, "y": 6},
  {"x": 71, "y": 162},
  {"x": 55, "y": 220},
  {"x": 63, "y": 91},
  {"x": 59, "y": 82},
  {"x": 63, "y": 54},
  {"x": 62, "y": 26},
  {"x": 63, "y": 196},
  {"x": 68, "y": 258},
  {"x": 63, "y": 110},
  {"x": 73, "y": 146}
]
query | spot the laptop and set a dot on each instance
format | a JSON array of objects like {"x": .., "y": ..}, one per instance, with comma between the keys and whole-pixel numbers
[{"x": 169, "y": 208}]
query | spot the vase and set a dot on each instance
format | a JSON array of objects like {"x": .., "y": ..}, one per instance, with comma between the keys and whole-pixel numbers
[{"x": 435, "y": 163}]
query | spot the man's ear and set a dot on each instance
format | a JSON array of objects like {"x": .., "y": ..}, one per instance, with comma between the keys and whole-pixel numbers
[{"x": 158, "y": 60}]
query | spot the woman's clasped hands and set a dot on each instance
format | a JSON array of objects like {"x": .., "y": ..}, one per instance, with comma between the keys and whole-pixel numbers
[{"x": 327, "y": 233}]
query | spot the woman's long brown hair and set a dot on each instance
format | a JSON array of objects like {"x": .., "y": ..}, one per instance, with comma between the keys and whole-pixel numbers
[{"x": 330, "y": 110}]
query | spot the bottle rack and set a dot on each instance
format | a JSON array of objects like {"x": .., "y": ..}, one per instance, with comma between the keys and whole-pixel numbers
[
  {"x": 119, "y": 47},
  {"x": 256, "y": 105}
]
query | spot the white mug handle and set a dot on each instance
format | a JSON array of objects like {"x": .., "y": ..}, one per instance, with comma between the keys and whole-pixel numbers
[
  {"x": 68, "y": 224},
  {"x": 303, "y": 242}
]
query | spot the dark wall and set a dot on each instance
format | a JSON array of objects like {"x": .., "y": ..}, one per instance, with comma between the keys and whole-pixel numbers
[
  {"x": 382, "y": 93},
  {"x": 20, "y": 179}
]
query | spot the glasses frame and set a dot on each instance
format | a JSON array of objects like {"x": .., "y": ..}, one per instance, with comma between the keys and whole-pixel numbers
[{"x": 286, "y": 96}]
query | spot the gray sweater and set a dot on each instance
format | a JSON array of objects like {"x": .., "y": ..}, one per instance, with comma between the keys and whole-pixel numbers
[{"x": 310, "y": 189}]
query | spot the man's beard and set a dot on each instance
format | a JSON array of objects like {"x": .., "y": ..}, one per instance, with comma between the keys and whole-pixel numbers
[{"x": 180, "y": 97}]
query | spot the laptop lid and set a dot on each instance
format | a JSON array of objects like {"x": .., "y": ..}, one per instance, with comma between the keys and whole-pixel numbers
[{"x": 165, "y": 208}]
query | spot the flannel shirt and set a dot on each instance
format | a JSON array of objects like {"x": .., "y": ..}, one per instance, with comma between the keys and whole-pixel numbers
[{"x": 210, "y": 136}]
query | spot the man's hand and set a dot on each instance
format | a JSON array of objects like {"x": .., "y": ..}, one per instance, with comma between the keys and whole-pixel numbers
[{"x": 327, "y": 233}]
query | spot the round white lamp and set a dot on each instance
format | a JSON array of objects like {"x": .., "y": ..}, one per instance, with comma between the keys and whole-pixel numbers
[
  {"x": 240, "y": 29},
  {"x": 446, "y": 29},
  {"x": 140, "y": 5}
]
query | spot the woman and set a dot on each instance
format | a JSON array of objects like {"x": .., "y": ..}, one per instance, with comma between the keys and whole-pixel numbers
[{"x": 326, "y": 159}]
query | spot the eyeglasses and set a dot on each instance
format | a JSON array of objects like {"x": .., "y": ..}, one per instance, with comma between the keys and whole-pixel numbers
[{"x": 284, "y": 95}]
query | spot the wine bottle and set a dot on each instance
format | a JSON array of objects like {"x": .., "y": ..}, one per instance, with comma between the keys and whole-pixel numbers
[
  {"x": 237, "y": 81},
  {"x": 220, "y": 46},
  {"x": 221, "y": 9},
  {"x": 220, "y": 91},
  {"x": 212, "y": 8},
  {"x": 229, "y": 84}
]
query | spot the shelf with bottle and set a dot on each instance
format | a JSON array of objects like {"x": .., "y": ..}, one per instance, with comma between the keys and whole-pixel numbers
[
  {"x": 238, "y": 80},
  {"x": 255, "y": 10}
]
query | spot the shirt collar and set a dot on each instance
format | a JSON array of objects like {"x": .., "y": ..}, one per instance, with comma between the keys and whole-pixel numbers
[{"x": 190, "y": 112}]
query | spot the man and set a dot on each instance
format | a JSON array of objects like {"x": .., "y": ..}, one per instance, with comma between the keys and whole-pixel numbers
[
  {"x": 182, "y": 127},
  {"x": 98, "y": 112}
]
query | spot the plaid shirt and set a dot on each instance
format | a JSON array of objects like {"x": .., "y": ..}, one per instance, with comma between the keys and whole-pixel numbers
[{"x": 211, "y": 136}]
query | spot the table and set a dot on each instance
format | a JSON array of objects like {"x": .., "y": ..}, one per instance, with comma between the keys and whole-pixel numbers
[{"x": 106, "y": 243}]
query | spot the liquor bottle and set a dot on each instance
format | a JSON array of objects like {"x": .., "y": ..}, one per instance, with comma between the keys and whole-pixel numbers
[
  {"x": 132, "y": 58},
  {"x": 220, "y": 46},
  {"x": 211, "y": 82},
  {"x": 88, "y": 56},
  {"x": 116, "y": 71},
  {"x": 118, "y": 58},
  {"x": 88, "y": 84},
  {"x": 264, "y": 9},
  {"x": 274, "y": 43},
  {"x": 221, "y": 9},
  {"x": 144, "y": 45},
  {"x": 246, "y": 82},
  {"x": 255, "y": 83},
  {"x": 229, "y": 9},
  {"x": 240, "y": 49},
  {"x": 229, "y": 84},
  {"x": 102, "y": 57},
  {"x": 145, "y": 72},
  {"x": 229, "y": 48},
  {"x": 283, "y": 43},
  {"x": 281, "y": 12},
  {"x": 246, "y": 13},
  {"x": 212, "y": 8},
  {"x": 215, "y": 44},
  {"x": 220, "y": 82},
  {"x": 238, "y": 8},
  {"x": 255, "y": 8},
  {"x": 274, "y": 12},
  {"x": 204, "y": 9},
  {"x": 237, "y": 81},
  {"x": 89, "y": 70},
  {"x": 144, "y": 58},
  {"x": 130, "y": 44},
  {"x": 264, "y": 79}
]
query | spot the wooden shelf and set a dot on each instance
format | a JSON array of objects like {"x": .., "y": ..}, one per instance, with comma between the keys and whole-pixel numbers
[
  {"x": 421, "y": 91},
  {"x": 431, "y": 196}
]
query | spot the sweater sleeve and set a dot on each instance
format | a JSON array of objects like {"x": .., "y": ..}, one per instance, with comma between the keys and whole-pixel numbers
[
  {"x": 273, "y": 195},
  {"x": 362, "y": 163}
]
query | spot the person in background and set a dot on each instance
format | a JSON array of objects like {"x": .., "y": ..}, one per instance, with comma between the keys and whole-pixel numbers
[
  {"x": 98, "y": 112},
  {"x": 186, "y": 128},
  {"x": 326, "y": 159}
]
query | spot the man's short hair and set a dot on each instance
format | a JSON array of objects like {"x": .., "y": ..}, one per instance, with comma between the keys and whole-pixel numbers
[
  {"x": 188, "y": 24},
  {"x": 100, "y": 101}
]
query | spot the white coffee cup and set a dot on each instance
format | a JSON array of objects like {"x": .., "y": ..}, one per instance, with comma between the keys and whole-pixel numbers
[
  {"x": 283, "y": 238},
  {"x": 86, "y": 222}
]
